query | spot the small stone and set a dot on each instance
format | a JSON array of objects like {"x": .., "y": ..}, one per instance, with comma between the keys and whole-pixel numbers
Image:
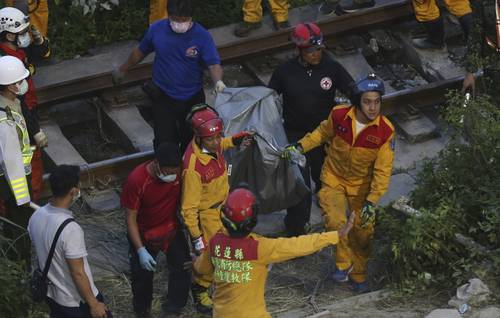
[{"x": 444, "y": 313}]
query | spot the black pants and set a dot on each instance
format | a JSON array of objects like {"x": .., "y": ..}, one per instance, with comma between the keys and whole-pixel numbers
[
  {"x": 179, "y": 280},
  {"x": 19, "y": 215},
  {"x": 169, "y": 118},
  {"x": 298, "y": 215},
  {"x": 83, "y": 311}
]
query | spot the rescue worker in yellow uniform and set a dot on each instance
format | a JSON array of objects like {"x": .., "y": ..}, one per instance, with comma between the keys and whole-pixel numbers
[
  {"x": 239, "y": 259},
  {"x": 355, "y": 175},
  {"x": 252, "y": 16},
  {"x": 205, "y": 186},
  {"x": 157, "y": 10},
  {"x": 38, "y": 11},
  {"x": 15, "y": 155},
  {"x": 427, "y": 13}
]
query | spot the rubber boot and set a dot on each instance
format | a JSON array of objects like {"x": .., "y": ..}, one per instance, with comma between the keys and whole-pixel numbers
[
  {"x": 202, "y": 300},
  {"x": 467, "y": 23},
  {"x": 435, "y": 36}
]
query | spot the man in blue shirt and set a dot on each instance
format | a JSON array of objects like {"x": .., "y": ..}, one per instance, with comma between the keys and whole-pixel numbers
[{"x": 183, "y": 49}]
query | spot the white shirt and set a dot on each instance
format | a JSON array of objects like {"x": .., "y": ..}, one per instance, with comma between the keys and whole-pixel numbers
[
  {"x": 42, "y": 228},
  {"x": 359, "y": 127}
]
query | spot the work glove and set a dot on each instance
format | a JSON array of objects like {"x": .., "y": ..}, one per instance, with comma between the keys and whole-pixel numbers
[
  {"x": 36, "y": 36},
  {"x": 368, "y": 213},
  {"x": 117, "y": 76},
  {"x": 199, "y": 245},
  {"x": 41, "y": 139},
  {"x": 244, "y": 137},
  {"x": 147, "y": 261},
  {"x": 219, "y": 86},
  {"x": 293, "y": 147}
]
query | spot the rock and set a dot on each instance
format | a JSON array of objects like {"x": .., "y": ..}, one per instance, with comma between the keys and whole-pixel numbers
[
  {"x": 102, "y": 201},
  {"x": 444, "y": 313},
  {"x": 474, "y": 293},
  {"x": 488, "y": 312}
]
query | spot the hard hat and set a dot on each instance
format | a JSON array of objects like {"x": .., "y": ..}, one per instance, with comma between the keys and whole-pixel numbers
[
  {"x": 205, "y": 121},
  {"x": 12, "y": 70},
  {"x": 239, "y": 213},
  {"x": 306, "y": 35},
  {"x": 369, "y": 84},
  {"x": 13, "y": 20}
]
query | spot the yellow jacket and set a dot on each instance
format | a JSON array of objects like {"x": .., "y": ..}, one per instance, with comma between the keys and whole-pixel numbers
[
  {"x": 205, "y": 183},
  {"x": 363, "y": 163},
  {"x": 239, "y": 267}
]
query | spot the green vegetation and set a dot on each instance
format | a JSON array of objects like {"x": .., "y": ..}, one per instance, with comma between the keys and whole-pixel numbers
[
  {"x": 73, "y": 33},
  {"x": 458, "y": 192}
]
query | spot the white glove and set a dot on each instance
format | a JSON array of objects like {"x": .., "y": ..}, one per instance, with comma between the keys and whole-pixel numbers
[
  {"x": 36, "y": 35},
  {"x": 41, "y": 139},
  {"x": 219, "y": 86},
  {"x": 199, "y": 245},
  {"x": 117, "y": 76}
]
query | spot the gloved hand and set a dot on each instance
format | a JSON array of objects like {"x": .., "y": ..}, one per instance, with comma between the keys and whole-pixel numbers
[
  {"x": 36, "y": 36},
  {"x": 244, "y": 137},
  {"x": 199, "y": 245},
  {"x": 219, "y": 86},
  {"x": 368, "y": 213},
  {"x": 147, "y": 261},
  {"x": 41, "y": 139},
  {"x": 293, "y": 147},
  {"x": 117, "y": 76}
]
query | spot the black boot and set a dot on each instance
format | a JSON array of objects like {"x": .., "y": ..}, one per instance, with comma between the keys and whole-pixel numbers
[
  {"x": 435, "y": 36},
  {"x": 467, "y": 23}
]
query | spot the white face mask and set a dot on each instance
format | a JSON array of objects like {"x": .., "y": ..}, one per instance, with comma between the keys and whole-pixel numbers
[
  {"x": 24, "y": 40},
  {"x": 76, "y": 197},
  {"x": 167, "y": 178},
  {"x": 22, "y": 87},
  {"x": 180, "y": 27}
]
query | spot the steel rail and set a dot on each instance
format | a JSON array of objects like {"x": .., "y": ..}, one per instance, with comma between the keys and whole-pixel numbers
[{"x": 233, "y": 51}]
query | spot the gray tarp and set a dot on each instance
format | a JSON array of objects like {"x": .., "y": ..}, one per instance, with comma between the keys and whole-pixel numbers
[{"x": 277, "y": 182}]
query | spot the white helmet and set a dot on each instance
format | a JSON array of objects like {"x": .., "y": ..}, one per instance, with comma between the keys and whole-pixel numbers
[
  {"x": 13, "y": 20},
  {"x": 12, "y": 70}
]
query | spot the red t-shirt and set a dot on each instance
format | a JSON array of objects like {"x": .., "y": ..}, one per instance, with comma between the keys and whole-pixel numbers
[
  {"x": 155, "y": 201},
  {"x": 30, "y": 96}
]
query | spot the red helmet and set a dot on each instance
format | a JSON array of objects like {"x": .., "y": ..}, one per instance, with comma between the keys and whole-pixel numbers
[
  {"x": 306, "y": 35},
  {"x": 205, "y": 121},
  {"x": 239, "y": 213}
]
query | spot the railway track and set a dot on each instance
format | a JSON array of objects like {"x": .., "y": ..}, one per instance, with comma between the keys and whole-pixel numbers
[{"x": 53, "y": 90}]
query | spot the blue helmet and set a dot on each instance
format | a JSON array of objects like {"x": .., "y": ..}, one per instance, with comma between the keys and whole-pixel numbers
[{"x": 369, "y": 84}]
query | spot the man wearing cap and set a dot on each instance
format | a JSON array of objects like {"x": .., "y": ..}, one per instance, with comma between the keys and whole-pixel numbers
[
  {"x": 308, "y": 84},
  {"x": 355, "y": 175},
  {"x": 151, "y": 196}
]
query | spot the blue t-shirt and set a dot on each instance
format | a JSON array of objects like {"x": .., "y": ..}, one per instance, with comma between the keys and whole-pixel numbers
[{"x": 180, "y": 58}]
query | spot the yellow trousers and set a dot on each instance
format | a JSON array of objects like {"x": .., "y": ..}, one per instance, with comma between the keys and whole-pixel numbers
[
  {"x": 356, "y": 248},
  {"x": 157, "y": 10},
  {"x": 39, "y": 16},
  {"x": 252, "y": 10},
  {"x": 427, "y": 10},
  {"x": 210, "y": 224}
]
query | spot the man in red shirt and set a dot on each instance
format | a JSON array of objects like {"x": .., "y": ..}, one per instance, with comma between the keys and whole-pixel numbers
[
  {"x": 20, "y": 39},
  {"x": 151, "y": 196}
]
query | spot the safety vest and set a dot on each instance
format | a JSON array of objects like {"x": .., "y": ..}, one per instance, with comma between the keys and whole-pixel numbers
[{"x": 12, "y": 117}]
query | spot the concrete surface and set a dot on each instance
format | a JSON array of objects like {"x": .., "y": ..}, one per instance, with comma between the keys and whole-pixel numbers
[{"x": 59, "y": 149}]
